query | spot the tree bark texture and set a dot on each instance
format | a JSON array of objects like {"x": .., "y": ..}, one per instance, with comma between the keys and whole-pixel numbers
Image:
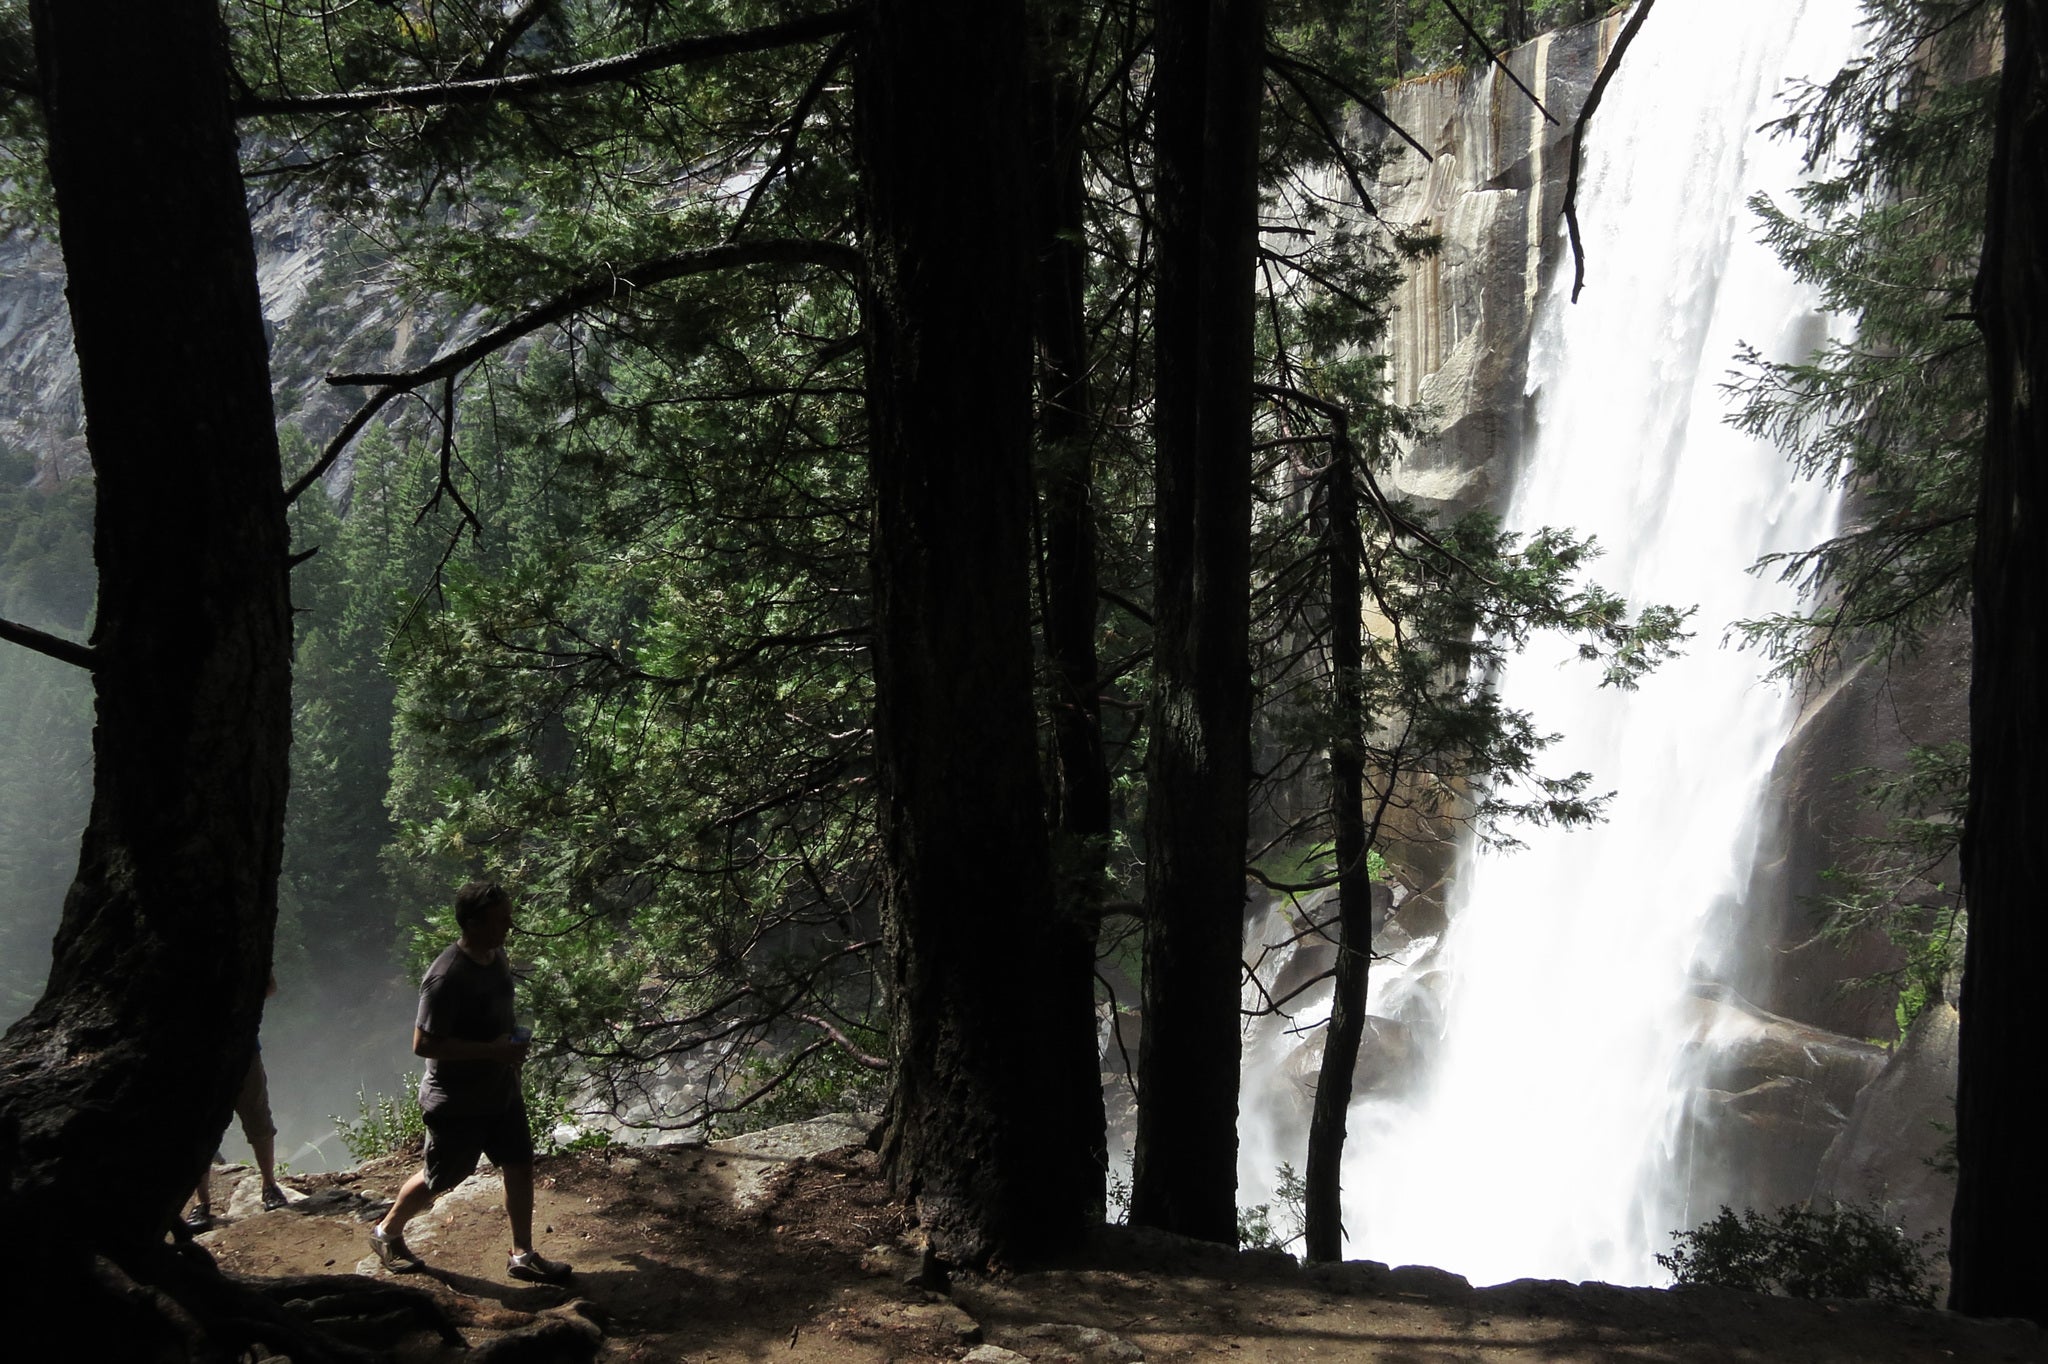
[
  {"x": 1322, "y": 1181},
  {"x": 1066, "y": 467},
  {"x": 1996, "y": 1248},
  {"x": 115, "y": 1088},
  {"x": 1206, "y": 87},
  {"x": 995, "y": 1125}
]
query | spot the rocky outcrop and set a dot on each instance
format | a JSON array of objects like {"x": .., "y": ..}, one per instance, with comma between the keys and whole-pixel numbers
[
  {"x": 1775, "y": 1094},
  {"x": 1896, "y": 1149},
  {"x": 1867, "y": 717}
]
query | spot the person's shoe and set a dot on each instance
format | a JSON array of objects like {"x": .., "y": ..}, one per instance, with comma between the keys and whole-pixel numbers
[
  {"x": 200, "y": 1219},
  {"x": 534, "y": 1267},
  {"x": 393, "y": 1251},
  {"x": 274, "y": 1198}
]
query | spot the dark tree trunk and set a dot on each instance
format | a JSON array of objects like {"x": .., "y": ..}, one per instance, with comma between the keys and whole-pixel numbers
[
  {"x": 1396, "y": 12},
  {"x": 1346, "y": 548},
  {"x": 1996, "y": 1248},
  {"x": 1066, "y": 430},
  {"x": 1206, "y": 90},
  {"x": 994, "y": 1027},
  {"x": 117, "y": 1085},
  {"x": 1514, "y": 23}
]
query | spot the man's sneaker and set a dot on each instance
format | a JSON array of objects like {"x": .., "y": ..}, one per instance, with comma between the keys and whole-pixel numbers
[
  {"x": 534, "y": 1267},
  {"x": 393, "y": 1251},
  {"x": 275, "y": 1198}
]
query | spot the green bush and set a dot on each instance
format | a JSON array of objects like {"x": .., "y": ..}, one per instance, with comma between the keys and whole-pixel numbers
[
  {"x": 384, "y": 1124},
  {"x": 1842, "y": 1251},
  {"x": 1260, "y": 1228},
  {"x": 388, "y": 1124}
]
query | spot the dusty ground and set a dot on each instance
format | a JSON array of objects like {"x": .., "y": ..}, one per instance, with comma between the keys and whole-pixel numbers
[{"x": 738, "y": 1253}]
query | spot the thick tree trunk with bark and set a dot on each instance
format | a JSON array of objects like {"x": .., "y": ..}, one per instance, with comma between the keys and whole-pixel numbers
[
  {"x": 116, "y": 1087},
  {"x": 1066, "y": 463},
  {"x": 1322, "y": 1182},
  {"x": 1206, "y": 87},
  {"x": 1997, "y": 1250},
  {"x": 1066, "y": 466},
  {"x": 995, "y": 1125}
]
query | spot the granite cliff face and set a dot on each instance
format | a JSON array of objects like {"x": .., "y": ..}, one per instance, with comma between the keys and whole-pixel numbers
[
  {"x": 1494, "y": 190},
  {"x": 1793, "y": 1063},
  {"x": 40, "y": 408},
  {"x": 328, "y": 305}
]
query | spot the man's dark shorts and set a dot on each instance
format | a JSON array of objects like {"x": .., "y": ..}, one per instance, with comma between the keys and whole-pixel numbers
[{"x": 453, "y": 1144}]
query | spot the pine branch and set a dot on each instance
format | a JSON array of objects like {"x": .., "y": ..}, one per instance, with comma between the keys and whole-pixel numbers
[
  {"x": 52, "y": 646},
  {"x": 610, "y": 287},
  {"x": 603, "y": 71},
  {"x": 1338, "y": 151},
  {"x": 787, "y": 152},
  {"x": 845, "y": 1043},
  {"x": 1395, "y": 520},
  {"x": 1345, "y": 88}
]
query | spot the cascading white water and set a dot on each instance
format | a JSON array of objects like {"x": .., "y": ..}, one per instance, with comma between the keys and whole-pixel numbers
[{"x": 1542, "y": 1141}]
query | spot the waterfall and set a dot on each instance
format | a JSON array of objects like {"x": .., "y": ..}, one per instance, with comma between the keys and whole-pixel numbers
[{"x": 1543, "y": 1138}]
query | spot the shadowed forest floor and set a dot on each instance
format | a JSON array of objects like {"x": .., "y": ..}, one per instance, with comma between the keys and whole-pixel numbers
[{"x": 750, "y": 1251}]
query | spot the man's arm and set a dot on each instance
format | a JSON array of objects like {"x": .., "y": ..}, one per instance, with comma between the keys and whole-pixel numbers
[{"x": 425, "y": 1044}]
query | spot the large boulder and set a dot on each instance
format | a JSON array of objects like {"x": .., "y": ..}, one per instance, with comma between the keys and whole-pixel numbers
[
  {"x": 1895, "y": 1150},
  {"x": 1866, "y": 719},
  {"x": 1772, "y": 1094}
]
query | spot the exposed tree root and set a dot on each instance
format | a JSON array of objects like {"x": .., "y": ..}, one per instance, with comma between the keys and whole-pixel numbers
[{"x": 170, "y": 1303}]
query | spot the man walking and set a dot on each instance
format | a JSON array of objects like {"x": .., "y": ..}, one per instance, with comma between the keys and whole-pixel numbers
[{"x": 471, "y": 1097}]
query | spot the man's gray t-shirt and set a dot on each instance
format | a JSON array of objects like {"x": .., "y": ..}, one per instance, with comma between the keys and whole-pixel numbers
[{"x": 462, "y": 1000}]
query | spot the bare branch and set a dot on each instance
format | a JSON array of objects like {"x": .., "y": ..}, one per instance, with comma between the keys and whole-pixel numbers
[
  {"x": 1279, "y": 887},
  {"x": 1125, "y": 605},
  {"x": 1278, "y": 1006},
  {"x": 1571, "y": 182},
  {"x": 1338, "y": 151},
  {"x": 445, "y": 482},
  {"x": 51, "y": 646},
  {"x": 486, "y": 89},
  {"x": 1344, "y": 88},
  {"x": 1494, "y": 57},
  {"x": 846, "y": 1045},
  {"x": 1116, "y": 1030},
  {"x": 812, "y": 93},
  {"x": 767, "y": 1086}
]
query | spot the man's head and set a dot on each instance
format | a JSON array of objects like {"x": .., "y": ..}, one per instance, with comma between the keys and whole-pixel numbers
[{"x": 483, "y": 910}]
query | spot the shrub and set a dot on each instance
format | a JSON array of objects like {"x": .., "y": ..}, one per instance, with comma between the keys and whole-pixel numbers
[
  {"x": 1842, "y": 1251},
  {"x": 1259, "y": 1228},
  {"x": 384, "y": 1124}
]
